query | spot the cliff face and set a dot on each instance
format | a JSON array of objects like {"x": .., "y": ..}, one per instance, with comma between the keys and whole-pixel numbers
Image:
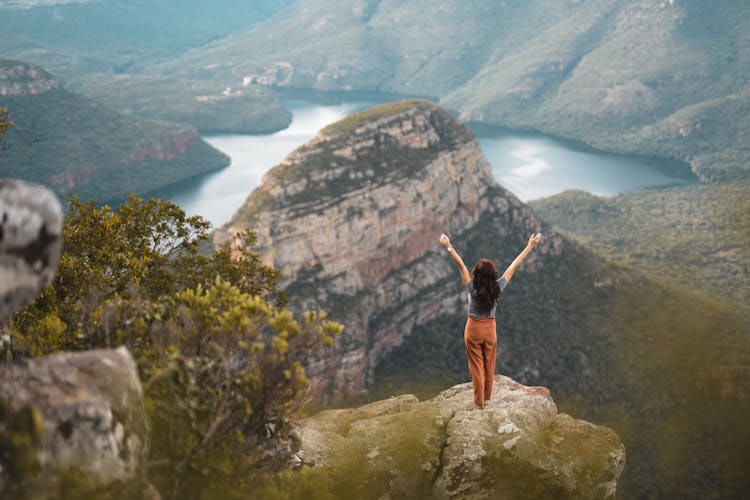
[
  {"x": 519, "y": 447},
  {"x": 21, "y": 79},
  {"x": 352, "y": 218}
]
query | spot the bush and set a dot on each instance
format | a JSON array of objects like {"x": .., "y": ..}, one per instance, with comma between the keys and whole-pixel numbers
[{"x": 219, "y": 356}]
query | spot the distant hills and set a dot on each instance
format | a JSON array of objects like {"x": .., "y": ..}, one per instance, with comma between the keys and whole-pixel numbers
[
  {"x": 660, "y": 77},
  {"x": 696, "y": 237},
  {"x": 208, "y": 106},
  {"x": 129, "y": 33},
  {"x": 64, "y": 64},
  {"x": 78, "y": 146}
]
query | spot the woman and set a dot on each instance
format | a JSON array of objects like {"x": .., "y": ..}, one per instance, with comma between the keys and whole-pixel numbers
[{"x": 480, "y": 334}]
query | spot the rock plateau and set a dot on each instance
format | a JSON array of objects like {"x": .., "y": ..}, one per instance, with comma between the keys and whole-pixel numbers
[{"x": 519, "y": 447}]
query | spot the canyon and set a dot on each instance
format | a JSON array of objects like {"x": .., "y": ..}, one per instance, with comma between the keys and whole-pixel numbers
[{"x": 351, "y": 218}]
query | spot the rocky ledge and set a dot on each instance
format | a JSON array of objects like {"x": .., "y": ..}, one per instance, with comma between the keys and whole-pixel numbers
[{"x": 519, "y": 447}]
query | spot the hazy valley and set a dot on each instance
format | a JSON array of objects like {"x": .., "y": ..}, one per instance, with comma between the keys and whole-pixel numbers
[{"x": 633, "y": 310}]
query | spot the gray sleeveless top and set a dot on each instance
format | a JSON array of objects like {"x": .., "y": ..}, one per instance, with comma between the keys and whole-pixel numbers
[{"x": 472, "y": 293}]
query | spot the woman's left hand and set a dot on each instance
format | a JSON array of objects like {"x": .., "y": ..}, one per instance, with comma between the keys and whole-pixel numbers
[{"x": 444, "y": 240}]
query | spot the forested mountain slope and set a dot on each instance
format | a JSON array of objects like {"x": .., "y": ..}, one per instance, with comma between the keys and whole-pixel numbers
[
  {"x": 78, "y": 146},
  {"x": 662, "y": 77}
]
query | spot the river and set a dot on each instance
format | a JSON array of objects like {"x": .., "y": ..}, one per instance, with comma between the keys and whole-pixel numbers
[{"x": 529, "y": 165}]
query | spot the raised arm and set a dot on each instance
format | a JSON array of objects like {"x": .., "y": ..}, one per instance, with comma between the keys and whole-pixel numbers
[
  {"x": 533, "y": 240},
  {"x": 446, "y": 242}
]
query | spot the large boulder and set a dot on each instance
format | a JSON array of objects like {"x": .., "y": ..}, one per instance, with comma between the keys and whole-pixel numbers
[
  {"x": 94, "y": 420},
  {"x": 31, "y": 222},
  {"x": 519, "y": 447}
]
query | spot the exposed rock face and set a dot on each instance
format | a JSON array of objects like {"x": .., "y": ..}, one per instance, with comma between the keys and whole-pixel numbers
[
  {"x": 352, "y": 219},
  {"x": 94, "y": 418},
  {"x": 22, "y": 79},
  {"x": 30, "y": 240},
  {"x": 519, "y": 447}
]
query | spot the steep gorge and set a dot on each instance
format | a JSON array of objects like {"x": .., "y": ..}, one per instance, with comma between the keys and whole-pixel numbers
[{"x": 351, "y": 219}]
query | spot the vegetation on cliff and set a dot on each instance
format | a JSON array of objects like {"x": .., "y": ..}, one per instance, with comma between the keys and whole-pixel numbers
[
  {"x": 206, "y": 105},
  {"x": 78, "y": 146},
  {"x": 341, "y": 160},
  {"x": 695, "y": 237},
  {"x": 219, "y": 356},
  {"x": 642, "y": 76}
]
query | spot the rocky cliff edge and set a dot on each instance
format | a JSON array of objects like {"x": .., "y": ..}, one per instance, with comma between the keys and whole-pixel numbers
[{"x": 519, "y": 447}]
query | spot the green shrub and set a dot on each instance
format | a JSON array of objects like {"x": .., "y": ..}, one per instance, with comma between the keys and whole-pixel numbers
[{"x": 219, "y": 356}]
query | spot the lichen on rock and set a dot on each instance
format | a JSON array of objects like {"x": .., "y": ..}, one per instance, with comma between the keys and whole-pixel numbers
[
  {"x": 94, "y": 420},
  {"x": 519, "y": 447},
  {"x": 30, "y": 242}
]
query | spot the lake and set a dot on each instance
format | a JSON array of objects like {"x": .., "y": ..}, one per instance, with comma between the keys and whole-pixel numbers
[{"x": 529, "y": 165}]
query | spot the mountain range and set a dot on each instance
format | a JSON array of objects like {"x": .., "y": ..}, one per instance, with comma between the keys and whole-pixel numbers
[
  {"x": 696, "y": 237},
  {"x": 643, "y": 76},
  {"x": 129, "y": 33}
]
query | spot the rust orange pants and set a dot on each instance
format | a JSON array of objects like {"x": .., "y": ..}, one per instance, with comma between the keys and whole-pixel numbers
[{"x": 480, "y": 339}]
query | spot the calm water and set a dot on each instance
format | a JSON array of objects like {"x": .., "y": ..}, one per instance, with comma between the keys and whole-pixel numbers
[{"x": 530, "y": 166}]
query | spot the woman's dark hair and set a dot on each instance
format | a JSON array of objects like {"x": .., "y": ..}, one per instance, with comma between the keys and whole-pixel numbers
[{"x": 485, "y": 283}]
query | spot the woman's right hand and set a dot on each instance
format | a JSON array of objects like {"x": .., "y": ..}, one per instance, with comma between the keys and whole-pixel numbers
[
  {"x": 534, "y": 239},
  {"x": 444, "y": 240}
]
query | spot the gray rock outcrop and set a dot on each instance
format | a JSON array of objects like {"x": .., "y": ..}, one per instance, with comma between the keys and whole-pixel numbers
[
  {"x": 519, "y": 447},
  {"x": 30, "y": 242},
  {"x": 92, "y": 407}
]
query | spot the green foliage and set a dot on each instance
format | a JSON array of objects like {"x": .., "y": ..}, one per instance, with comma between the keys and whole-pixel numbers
[
  {"x": 221, "y": 364},
  {"x": 205, "y": 105},
  {"x": 226, "y": 369},
  {"x": 78, "y": 146},
  {"x": 142, "y": 248},
  {"x": 20, "y": 431},
  {"x": 696, "y": 237},
  {"x": 5, "y": 122}
]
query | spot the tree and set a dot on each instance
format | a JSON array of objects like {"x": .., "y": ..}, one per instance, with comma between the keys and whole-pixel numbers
[
  {"x": 5, "y": 122},
  {"x": 220, "y": 357}
]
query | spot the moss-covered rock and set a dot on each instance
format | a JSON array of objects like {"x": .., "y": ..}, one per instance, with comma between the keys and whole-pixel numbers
[
  {"x": 93, "y": 422},
  {"x": 519, "y": 447}
]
